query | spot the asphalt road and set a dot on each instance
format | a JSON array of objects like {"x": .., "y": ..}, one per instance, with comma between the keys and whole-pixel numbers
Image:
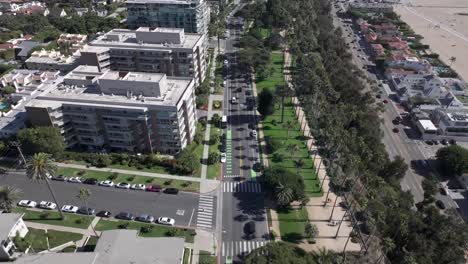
[
  {"x": 242, "y": 201},
  {"x": 182, "y": 207}
]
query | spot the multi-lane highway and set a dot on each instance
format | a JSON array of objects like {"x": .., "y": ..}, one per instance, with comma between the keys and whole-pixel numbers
[{"x": 242, "y": 193}]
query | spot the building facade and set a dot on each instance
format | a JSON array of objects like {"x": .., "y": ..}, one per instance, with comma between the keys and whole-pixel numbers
[
  {"x": 160, "y": 50},
  {"x": 191, "y": 15},
  {"x": 119, "y": 111},
  {"x": 11, "y": 225},
  {"x": 45, "y": 60}
]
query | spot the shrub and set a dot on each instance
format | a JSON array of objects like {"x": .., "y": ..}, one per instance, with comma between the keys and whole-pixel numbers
[
  {"x": 168, "y": 182},
  {"x": 113, "y": 176},
  {"x": 79, "y": 221},
  {"x": 146, "y": 229},
  {"x": 149, "y": 180},
  {"x": 277, "y": 157},
  {"x": 213, "y": 157},
  {"x": 123, "y": 225},
  {"x": 273, "y": 144},
  {"x": 172, "y": 232},
  {"x": 44, "y": 215},
  {"x": 131, "y": 178},
  {"x": 81, "y": 173}
]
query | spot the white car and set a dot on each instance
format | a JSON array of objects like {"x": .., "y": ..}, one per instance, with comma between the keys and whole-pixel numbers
[
  {"x": 123, "y": 185},
  {"x": 106, "y": 183},
  {"x": 47, "y": 205},
  {"x": 27, "y": 203},
  {"x": 223, "y": 157},
  {"x": 254, "y": 134},
  {"x": 226, "y": 62},
  {"x": 138, "y": 186},
  {"x": 166, "y": 221},
  {"x": 75, "y": 179},
  {"x": 69, "y": 208},
  {"x": 234, "y": 100}
]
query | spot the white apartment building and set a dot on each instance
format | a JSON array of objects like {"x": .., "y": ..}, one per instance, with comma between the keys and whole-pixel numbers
[
  {"x": 409, "y": 63},
  {"x": 161, "y": 50},
  {"x": 191, "y": 15},
  {"x": 75, "y": 41},
  {"x": 51, "y": 60},
  {"x": 452, "y": 122},
  {"x": 11, "y": 225},
  {"x": 118, "y": 111}
]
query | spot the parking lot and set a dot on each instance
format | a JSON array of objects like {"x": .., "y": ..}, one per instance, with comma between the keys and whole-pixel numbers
[{"x": 182, "y": 207}]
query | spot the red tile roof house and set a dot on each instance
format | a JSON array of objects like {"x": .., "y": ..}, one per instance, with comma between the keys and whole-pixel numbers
[
  {"x": 371, "y": 37},
  {"x": 398, "y": 45},
  {"x": 5, "y": 46},
  {"x": 378, "y": 50}
]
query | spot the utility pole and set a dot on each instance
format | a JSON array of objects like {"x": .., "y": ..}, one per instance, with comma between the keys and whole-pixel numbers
[{"x": 17, "y": 145}]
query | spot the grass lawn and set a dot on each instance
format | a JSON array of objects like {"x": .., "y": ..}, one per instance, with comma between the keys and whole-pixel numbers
[
  {"x": 102, "y": 175},
  {"x": 57, "y": 238},
  {"x": 463, "y": 99},
  {"x": 205, "y": 257},
  {"x": 186, "y": 255},
  {"x": 295, "y": 138},
  {"x": 213, "y": 170},
  {"x": 157, "y": 231},
  {"x": 292, "y": 223},
  {"x": 91, "y": 244},
  {"x": 276, "y": 77},
  {"x": 53, "y": 218},
  {"x": 37, "y": 239},
  {"x": 265, "y": 32}
]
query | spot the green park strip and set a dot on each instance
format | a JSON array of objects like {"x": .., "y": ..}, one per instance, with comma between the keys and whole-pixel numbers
[
  {"x": 188, "y": 186},
  {"x": 214, "y": 170},
  {"x": 276, "y": 76},
  {"x": 292, "y": 224},
  {"x": 37, "y": 239},
  {"x": 53, "y": 218},
  {"x": 206, "y": 257},
  {"x": 152, "y": 230}
]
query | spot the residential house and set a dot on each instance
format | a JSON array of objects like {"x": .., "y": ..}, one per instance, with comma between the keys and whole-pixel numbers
[
  {"x": 370, "y": 7},
  {"x": 118, "y": 247},
  {"x": 452, "y": 122},
  {"x": 377, "y": 50},
  {"x": 80, "y": 11},
  {"x": 408, "y": 63},
  {"x": 11, "y": 225}
]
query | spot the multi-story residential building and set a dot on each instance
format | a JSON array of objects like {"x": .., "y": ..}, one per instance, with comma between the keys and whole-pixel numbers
[
  {"x": 74, "y": 41},
  {"x": 191, "y": 15},
  {"x": 45, "y": 60},
  {"x": 161, "y": 50},
  {"x": 452, "y": 122},
  {"x": 118, "y": 111},
  {"x": 371, "y": 7}
]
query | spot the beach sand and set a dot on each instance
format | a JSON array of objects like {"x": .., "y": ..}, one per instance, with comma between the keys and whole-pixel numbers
[{"x": 444, "y": 26}]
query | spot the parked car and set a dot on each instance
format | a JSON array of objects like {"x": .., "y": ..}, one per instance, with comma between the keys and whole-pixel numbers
[
  {"x": 59, "y": 178},
  {"x": 123, "y": 185},
  {"x": 47, "y": 205},
  {"x": 396, "y": 130},
  {"x": 249, "y": 228},
  {"x": 27, "y": 203},
  {"x": 253, "y": 133},
  {"x": 429, "y": 142},
  {"x": 226, "y": 62},
  {"x": 452, "y": 142},
  {"x": 171, "y": 191},
  {"x": 234, "y": 100},
  {"x": 138, "y": 186},
  {"x": 104, "y": 214},
  {"x": 145, "y": 218},
  {"x": 385, "y": 101},
  {"x": 69, "y": 208},
  {"x": 444, "y": 142},
  {"x": 154, "y": 188},
  {"x": 106, "y": 183},
  {"x": 86, "y": 210},
  {"x": 74, "y": 179},
  {"x": 124, "y": 216},
  {"x": 91, "y": 181},
  {"x": 223, "y": 157},
  {"x": 440, "y": 204},
  {"x": 435, "y": 142},
  {"x": 166, "y": 221}
]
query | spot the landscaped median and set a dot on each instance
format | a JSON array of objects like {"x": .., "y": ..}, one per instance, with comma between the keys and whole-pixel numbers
[
  {"x": 147, "y": 229},
  {"x": 214, "y": 170},
  {"x": 188, "y": 186}
]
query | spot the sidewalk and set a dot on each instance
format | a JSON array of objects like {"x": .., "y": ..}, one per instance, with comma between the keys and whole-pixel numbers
[{"x": 320, "y": 212}]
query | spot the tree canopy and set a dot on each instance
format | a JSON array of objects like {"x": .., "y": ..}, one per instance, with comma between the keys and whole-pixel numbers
[
  {"x": 41, "y": 139},
  {"x": 453, "y": 160}
]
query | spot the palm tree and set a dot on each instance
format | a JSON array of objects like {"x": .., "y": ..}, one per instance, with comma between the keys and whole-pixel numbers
[
  {"x": 38, "y": 168},
  {"x": 283, "y": 91},
  {"x": 289, "y": 125},
  {"x": 452, "y": 60},
  {"x": 293, "y": 148},
  {"x": 299, "y": 165},
  {"x": 324, "y": 256},
  {"x": 284, "y": 195},
  {"x": 84, "y": 195},
  {"x": 8, "y": 196}
]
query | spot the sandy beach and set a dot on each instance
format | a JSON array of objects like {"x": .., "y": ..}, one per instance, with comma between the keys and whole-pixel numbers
[{"x": 444, "y": 26}]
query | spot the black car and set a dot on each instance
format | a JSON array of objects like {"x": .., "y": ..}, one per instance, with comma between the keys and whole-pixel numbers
[
  {"x": 105, "y": 214},
  {"x": 257, "y": 167},
  {"x": 429, "y": 142},
  {"x": 452, "y": 142},
  {"x": 249, "y": 228},
  {"x": 91, "y": 181},
  {"x": 86, "y": 210},
  {"x": 171, "y": 190},
  {"x": 125, "y": 216},
  {"x": 440, "y": 204},
  {"x": 59, "y": 178},
  {"x": 444, "y": 142},
  {"x": 435, "y": 142}
]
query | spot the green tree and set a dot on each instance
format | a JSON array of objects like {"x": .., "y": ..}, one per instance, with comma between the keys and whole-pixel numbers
[
  {"x": 41, "y": 139},
  {"x": 216, "y": 120},
  {"x": 311, "y": 231},
  {"x": 265, "y": 102},
  {"x": 273, "y": 143},
  {"x": 395, "y": 170},
  {"x": 453, "y": 160},
  {"x": 430, "y": 190},
  {"x": 38, "y": 168},
  {"x": 299, "y": 164},
  {"x": 283, "y": 91},
  {"x": 187, "y": 162},
  {"x": 284, "y": 195},
  {"x": 8, "y": 197},
  {"x": 213, "y": 157},
  {"x": 84, "y": 195},
  {"x": 289, "y": 125},
  {"x": 279, "y": 253},
  {"x": 286, "y": 186},
  {"x": 9, "y": 89}
]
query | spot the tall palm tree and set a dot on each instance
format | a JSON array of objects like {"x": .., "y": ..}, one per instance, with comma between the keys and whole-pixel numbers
[
  {"x": 38, "y": 168},
  {"x": 289, "y": 125},
  {"x": 283, "y": 91},
  {"x": 293, "y": 148},
  {"x": 8, "y": 197},
  {"x": 324, "y": 256},
  {"x": 84, "y": 195},
  {"x": 284, "y": 195},
  {"x": 299, "y": 164},
  {"x": 452, "y": 60}
]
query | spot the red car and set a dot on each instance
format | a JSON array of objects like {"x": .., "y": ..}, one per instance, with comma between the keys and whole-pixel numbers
[
  {"x": 385, "y": 101},
  {"x": 154, "y": 188}
]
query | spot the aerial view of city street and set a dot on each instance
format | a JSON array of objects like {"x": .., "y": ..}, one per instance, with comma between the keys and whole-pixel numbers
[{"x": 233, "y": 131}]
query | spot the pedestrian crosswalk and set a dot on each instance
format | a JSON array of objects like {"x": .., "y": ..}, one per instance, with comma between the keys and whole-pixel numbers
[
  {"x": 228, "y": 163},
  {"x": 231, "y": 176},
  {"x": 235, "y": 248},
  {"x": 205, "y": 214},
  {"x": 246, "y": 186}
]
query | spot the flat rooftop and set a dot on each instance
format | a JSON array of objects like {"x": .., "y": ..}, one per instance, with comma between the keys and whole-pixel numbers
[
  {"x": 163, "y": 1},
  {"x": 133, "y": 76}
]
